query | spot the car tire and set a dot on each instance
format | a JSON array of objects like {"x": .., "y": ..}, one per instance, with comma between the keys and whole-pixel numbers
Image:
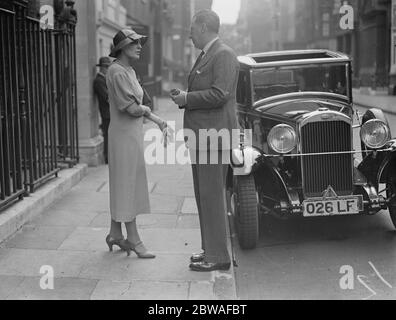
[
  {"x": 391, "y": 194},
  {"x": 246, "y": 212}
]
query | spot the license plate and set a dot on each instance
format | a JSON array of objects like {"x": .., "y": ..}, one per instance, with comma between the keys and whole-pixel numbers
[{"x": 330, "y": 207}]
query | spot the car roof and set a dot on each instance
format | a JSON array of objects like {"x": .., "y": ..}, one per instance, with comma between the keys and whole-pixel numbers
[{"x": 292, "y": 57}]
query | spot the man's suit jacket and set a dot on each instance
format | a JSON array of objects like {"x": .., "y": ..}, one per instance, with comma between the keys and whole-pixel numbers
[
  {"x": 100, "y": 89},
  {"x": 211, "y": 97}
]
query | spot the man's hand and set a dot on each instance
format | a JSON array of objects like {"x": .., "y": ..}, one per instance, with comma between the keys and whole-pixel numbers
[{"x": 179, "y": 97}]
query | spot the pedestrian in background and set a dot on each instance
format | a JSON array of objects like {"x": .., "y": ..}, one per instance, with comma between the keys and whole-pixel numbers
[
  {"x": 210, "y": 103},
  {"x": 129, "y": 195},
  {"x": 100, "y": 89}
]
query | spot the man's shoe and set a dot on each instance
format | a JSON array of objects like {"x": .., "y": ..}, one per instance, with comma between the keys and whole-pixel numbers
[
  {"x": 209, "y": 266},
  {"x": 197, "y": 257}
]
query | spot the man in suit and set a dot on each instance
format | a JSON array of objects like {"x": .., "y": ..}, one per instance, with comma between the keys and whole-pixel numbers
[
  {"x": 209, "y": 104},
  {"x": 100, "y": 90}
]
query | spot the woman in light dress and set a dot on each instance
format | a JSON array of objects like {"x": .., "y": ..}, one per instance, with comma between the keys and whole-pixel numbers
[{"x": 129, "y": 194}]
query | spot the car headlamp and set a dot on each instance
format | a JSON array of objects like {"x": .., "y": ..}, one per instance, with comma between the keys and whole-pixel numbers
[
  {"x": 375, "y": 133},
  {"x": 282, "y": 138}
]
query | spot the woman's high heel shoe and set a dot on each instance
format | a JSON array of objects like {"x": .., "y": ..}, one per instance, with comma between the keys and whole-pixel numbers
[
  {"x": 138, "y": 248},
  {"x": 111, "y": 242}
]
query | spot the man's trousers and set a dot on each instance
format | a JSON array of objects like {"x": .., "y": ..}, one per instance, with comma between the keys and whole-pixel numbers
[
  {"x": 209, "y": 187},
  {"x": 105, "y": 130}
]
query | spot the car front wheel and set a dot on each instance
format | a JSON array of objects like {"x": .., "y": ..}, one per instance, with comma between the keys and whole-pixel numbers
[{"x": 246, "y": 211}]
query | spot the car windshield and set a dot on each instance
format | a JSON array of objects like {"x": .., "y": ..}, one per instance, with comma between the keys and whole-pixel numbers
[{"x": 269, "y": 82}]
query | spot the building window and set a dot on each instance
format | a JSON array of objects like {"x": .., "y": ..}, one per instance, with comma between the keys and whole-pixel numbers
[
  {"x": 101, "y": 47},
  {"x": 326, "y": 24}
]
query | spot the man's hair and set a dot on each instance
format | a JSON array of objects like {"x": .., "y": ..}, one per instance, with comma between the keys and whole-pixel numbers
[{"x": 209, "y": 18}]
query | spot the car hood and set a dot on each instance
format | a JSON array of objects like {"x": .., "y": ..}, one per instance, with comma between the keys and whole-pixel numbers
[{"x": 295, "y": 109}]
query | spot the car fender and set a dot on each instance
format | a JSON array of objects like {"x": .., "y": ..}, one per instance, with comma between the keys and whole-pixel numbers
[
  {"x": 389, "y": 163},
  {"x": 383, "y": 160},
  {"x": 291, "y": 194},
  {"x": 243, "y": 160},
  {"x": 374, "y": 113},
  {"x": 288, "y": 197}
]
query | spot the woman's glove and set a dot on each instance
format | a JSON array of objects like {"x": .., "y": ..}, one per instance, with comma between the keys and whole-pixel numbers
[
  {"x": 167, "y": 132},
  {"x": 167, "y": 135},
  {"x": 146, "y": 110},
  {"x": 162, "y": 125}
]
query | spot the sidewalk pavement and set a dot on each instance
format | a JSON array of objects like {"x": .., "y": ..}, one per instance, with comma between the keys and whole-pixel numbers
[
  {"x": 386, "y": 103},
  {"x": 70, "y": 237}
]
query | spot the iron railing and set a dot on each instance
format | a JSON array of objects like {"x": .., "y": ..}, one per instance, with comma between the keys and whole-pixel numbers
[{"x": 38, "y": 106}]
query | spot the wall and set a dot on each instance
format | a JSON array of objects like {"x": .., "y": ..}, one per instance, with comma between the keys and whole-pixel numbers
[{"x": 91, "y": 143}]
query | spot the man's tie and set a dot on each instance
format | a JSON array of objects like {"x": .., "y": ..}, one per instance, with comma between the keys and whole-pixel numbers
[{"x": 198, "y": 59}]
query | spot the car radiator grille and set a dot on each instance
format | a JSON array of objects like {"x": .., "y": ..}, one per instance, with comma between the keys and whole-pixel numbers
[{"x": 321, "y": 171}]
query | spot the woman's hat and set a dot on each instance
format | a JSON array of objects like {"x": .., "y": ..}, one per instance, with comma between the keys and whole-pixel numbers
[{"x": 123, "y": 38}]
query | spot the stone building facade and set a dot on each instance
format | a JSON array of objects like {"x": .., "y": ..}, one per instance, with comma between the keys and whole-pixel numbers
[{"x": 316, "y": 24}]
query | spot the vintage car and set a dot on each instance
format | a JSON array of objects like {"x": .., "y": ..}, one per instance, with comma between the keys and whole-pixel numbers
[{"x": 301, "y": 159}]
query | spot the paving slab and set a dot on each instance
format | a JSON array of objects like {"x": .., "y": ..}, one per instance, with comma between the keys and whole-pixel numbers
[
  {"x": 160, "y": 204},
  {"x": 95, "y": 174},
  {"x": 105, "y": 187},
  {"x": 179, "y": 187},
  {"x": 75, "y": 198},
  {"x": 69, "y": 203},
  {"x": 86, "y": 239},
  {"x": 61, "y": 218},
  {"x": 156, "y": 221},
  {"x": 172, "y": 241},
  {"x": 203, "y": 290},
  {"x": 224, "y": 285},
  {"x": 27, "y": 262},
  {"x": 157, "y": 240},
  {"x": 140, "y": 290},
  {"x": 188, "y": 222},
  {"x": 189, "y": 206},
  {"x": 119, "y": 267},
  {"x": 8, "y": 284},
  {"x": 38, "y": 237},
  {"x": 91, "y": 184},
  {"x": 64, "y": 289},
  {"x": 144, "y": 221},
  {"x": 156, "y": 173},
  {"x": 167, "y": 204}
]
